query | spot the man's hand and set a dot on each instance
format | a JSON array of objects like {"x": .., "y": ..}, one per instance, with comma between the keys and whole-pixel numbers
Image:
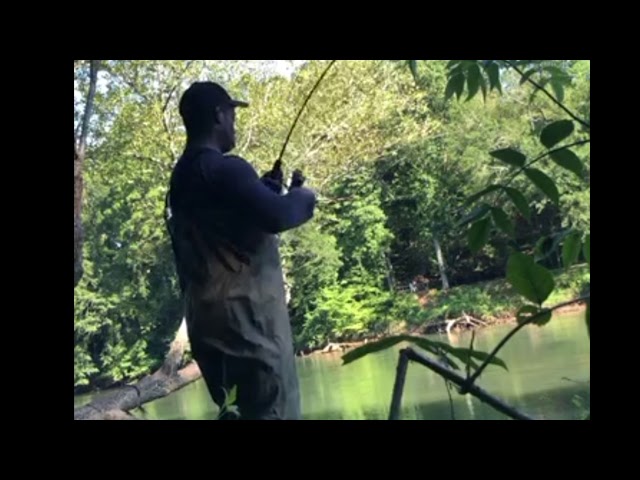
[
  {"x": 274, "y": 178},
  {"x": 297, "y": 180}
]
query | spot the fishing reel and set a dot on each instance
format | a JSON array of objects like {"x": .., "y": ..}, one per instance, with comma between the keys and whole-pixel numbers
[{"x": 274, "y": 178}]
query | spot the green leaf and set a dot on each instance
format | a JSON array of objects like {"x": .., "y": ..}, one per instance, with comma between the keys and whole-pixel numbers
[
  {"x": 463, "y": 355},
  {"x": 539, "y": 250},
  {"x": 230, "y": 398},
  {"x": 558, "y": 76},
  {"x": 455, "y": 85},
  {"x": 509, "y": 156},
  {"x": 493, "y": 71},
  {"x": 413, "y": 65},
  {"x": 522, "y": 63},
  {"x": 233, "y": 395},
  {"x": 527, "y": 75},
  {"x": 568, "y": 160},
  {"x": 233, "y": 409},
  {"x": 453, "y": 63},
  {"x": 571, "y": 249},
  {"x": 476, "y": 213},
  {"x": 558, "y": 89},
  {"x": 473, "y": 80},
  {"x": 530, "y": 280},
  {"x": 554, "y": 71},
  {"x": 519, "y": 201},
  {"x": 555, "y": 132},
  {"x": 588, "y": 317},
  {"x": 436, "y": 348},
  {"x": 457, "y": 69},
  {"x": 542, "y": 318},
  {"x": 482, "y": 193},
  {"x": 372, "y": 347},
  {"x": 430, "y": 346},
  {"x": 502, "y": 221},
  {"x": 525, "y": 313},
  {"x": 544, "y": 183},
  {"x": 587, "y": 249},
  {"x": 479, "y": 234},
  {"x": 483, "y": 87},
  {"x": 543, "y": 249}
]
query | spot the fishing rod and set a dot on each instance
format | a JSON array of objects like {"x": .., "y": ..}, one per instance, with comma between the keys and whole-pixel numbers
[{"x": 276, "y": 171}]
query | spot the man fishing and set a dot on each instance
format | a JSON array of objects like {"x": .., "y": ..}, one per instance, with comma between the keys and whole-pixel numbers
[{"x": 224, "y": 223}]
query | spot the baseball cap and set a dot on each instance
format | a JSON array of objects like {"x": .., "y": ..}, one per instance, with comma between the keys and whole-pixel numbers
[{"x": 202, "y": 96}]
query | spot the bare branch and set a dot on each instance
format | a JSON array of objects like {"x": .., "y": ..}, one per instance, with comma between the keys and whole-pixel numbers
[
  {"x": 165, "y": 120},
  {"x": 473, "y": 337},
  {"x": 175, "y": 86},
  {"x": 447, "y": 386},
  {"x": 457, "y": 379},
  {"x": 398, "y": 387}
]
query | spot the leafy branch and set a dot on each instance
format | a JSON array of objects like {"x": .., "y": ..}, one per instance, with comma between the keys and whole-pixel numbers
[
  {"x": 544, "y": 155},
  {"x": 539, "y": 316},
  {"x": 546, "y": 92}
]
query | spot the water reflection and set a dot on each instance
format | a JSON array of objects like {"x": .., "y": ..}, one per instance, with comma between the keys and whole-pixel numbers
[{"x": 538, "y": 359}]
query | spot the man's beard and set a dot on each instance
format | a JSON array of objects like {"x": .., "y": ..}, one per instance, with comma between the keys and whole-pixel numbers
[{"x": 228, "y": 145}]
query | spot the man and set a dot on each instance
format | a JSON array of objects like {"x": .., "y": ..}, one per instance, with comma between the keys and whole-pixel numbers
[{"x": 224, "y": 222}]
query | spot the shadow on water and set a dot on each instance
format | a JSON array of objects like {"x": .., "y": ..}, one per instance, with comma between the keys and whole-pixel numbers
[{"x": 468, "y": 408}]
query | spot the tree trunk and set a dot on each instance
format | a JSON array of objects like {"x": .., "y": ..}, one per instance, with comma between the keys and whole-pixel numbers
[
  {"x": 78, "y": 233},
  {"x": 287, "y": 287},
  {"x": 177, "y": 349},
  {"x": 390, "y": 280},
  {"x": 79, "y": 149},
  {"x": 441, "y": 265},
  {"x": 167, "y": 379}
]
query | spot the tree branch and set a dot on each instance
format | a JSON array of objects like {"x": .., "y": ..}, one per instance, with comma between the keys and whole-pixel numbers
[
  {"x": 447, "y": 385},
  {"x": 553, "y": 99},
  {"x": 158, "y": 385},
  {"x": 165, "y": 120},
  {"x": 398, "y": 387},
  {"x": 159, "y": 163},
  {"x": 457, "y": 379},
  {"x": 545, "y": 154},
  {"x": 167, "y": 379},
  {"x": 469, "y": 382},
  {"x": 175, "y": 86},
  {"x": 473, "y": 337}
]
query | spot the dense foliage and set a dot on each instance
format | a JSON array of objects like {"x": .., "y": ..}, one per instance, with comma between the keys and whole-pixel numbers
[{"x": 395, "y": 158}]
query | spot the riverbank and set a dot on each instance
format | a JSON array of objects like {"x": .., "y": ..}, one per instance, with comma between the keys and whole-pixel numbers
[
  {"x": 461, "y": 308},
  {"x": 466, "y": 307},
  {"x": 555, "y": 387},
  {"x": 440, "y": 327}
]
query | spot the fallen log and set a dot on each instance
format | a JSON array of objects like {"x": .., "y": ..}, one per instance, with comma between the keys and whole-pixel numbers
[{"x": 167, "y": 379}]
